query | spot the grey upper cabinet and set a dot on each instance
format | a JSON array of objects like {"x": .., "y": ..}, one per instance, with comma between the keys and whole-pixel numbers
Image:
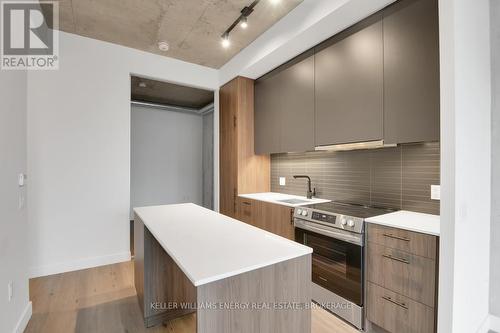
[
  {"x": 267, "y": 117},
  {"x": 284, "y": 108},
  {"x": 349, "y": 85},
  {"x": 411, "y": 72}
]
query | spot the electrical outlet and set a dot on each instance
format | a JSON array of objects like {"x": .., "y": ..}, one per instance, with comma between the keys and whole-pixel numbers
[
  {"x": 10, "y": 289},
  {"x": 282, "y": 181},
  {"x": 435, "y": 192}
]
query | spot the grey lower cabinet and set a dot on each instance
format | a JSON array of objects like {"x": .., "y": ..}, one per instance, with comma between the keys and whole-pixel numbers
[
  {"x": 411, "y": 71},
  {"x": 349, "y": 81},
  {"x": 284, "y": 108}
]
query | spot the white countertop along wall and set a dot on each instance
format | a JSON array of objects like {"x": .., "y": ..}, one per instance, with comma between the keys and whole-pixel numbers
[
  {"x": 209, "y": 246},
  {"x": 412, "y": 221},
  {"x": 277, "y": 198}
]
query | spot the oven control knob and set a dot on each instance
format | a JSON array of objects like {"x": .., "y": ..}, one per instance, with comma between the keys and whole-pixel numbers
[
  {"x": 304, "y": 212},
  {"x": 343, "y": 221},
  {"x": 299, "y": 211},
  {"x": 350, "y": 223}
]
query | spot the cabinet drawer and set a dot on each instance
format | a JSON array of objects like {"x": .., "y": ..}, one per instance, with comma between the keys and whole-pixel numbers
[
  {"x": 396, "y": 313},
  {"x": 408, "y": 241},
  {"x": 406, "y": 274},
  {"x": 246, "y": 210}
]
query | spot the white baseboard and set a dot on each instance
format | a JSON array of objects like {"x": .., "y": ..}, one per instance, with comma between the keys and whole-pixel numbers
[
  {"x": 24, "y": 319},
  {"x": 79, "y": 264}
]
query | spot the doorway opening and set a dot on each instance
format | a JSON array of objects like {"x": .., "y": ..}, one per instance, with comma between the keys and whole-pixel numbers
[{"x": 171, "y": 145}]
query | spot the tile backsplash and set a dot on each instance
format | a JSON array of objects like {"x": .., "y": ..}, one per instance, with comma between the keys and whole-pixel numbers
[{"x": 398, "y": 177}]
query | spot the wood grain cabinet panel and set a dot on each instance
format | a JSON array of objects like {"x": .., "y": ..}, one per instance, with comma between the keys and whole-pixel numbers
[
  {"x": 408, "y": 241},
  {"x": 274, "y": 218},
  {"x": 411, "y": 71},
  {"x": 278, "y": 219},
  {"x": 241, "y": 171},
  {"x": 349, "y": 85},
  {"x": 152, "y": 267},
  {"x": 396, "y": 313},
  {"x": 406, "y": 274}
]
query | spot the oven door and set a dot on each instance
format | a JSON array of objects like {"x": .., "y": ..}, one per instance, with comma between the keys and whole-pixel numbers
[{"x": 337, "y": 262}]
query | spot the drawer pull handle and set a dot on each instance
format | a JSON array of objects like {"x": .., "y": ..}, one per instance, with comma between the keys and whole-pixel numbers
[
  {"x": 247, "y": 203},
  {"x": 397, "y": 237},
  {"x": 404, "y": 261},
  {"x": 389, "y": 299}
]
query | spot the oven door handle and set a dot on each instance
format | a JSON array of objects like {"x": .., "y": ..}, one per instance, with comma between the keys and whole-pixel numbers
[{"x": 301, "y": 224}]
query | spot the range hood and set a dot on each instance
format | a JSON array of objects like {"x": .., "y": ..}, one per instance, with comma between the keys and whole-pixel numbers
[{"x": 355, "y": 146}]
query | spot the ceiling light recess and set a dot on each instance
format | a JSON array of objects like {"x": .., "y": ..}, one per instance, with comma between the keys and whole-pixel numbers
[{"x": 242, "y": 20}]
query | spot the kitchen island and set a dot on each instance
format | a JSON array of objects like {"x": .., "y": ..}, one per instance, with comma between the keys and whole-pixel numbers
[{"x": 236, "y": 277}]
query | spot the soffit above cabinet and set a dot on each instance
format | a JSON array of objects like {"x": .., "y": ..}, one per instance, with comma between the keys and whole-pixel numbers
[{"x": 192, "y": 28}]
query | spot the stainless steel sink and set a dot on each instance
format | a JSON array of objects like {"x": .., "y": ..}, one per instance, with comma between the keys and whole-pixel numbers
[{"x": 293, "y": 201}]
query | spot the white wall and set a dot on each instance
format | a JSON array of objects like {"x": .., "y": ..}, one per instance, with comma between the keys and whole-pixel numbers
[
  {"x": 13, "y": 224},
  {"x": 79, "y": 150},
  {"x": 166, "y": 157},
  {"x": 495, "y": 143},
  {"x": 465, "y": 165}
]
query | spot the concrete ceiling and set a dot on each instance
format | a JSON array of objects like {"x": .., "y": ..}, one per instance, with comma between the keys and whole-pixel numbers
[
  {"x": 192, "y": 28},
  {"x": 169, "y": 94}
]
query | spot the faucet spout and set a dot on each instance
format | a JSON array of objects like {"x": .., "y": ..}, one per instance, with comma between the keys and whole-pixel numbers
[{"x": 310, "y": 193}]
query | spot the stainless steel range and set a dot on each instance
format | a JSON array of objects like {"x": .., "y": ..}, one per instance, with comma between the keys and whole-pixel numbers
[{"x": 335, "y": 232}]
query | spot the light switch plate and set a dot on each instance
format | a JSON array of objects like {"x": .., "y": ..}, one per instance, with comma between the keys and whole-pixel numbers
[
  {"x": 282, "y": 181},
  {"x": 435, "y": 192},
  {"x": 20, "y": 179}
]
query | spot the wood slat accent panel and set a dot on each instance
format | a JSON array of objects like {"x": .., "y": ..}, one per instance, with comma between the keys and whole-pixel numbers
[
  {"x": 408, "y": 241},
  {"x": 396, "y": 313},
  {"x": 289, "y": 281},
  {"x": 409, "y": 275}
]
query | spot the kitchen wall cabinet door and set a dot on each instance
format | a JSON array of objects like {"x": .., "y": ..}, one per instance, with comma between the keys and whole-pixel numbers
[
  {"x": 284, "y": 108},
  {"x": 411, "y": 71},
  {"x": 297, "y": 104},
  {"x": 349, "y": 85},
  {"x": 267, "y": 115}
]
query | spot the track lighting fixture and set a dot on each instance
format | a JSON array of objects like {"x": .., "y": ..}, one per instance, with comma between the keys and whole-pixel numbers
[{"x": 242, "y": 20}]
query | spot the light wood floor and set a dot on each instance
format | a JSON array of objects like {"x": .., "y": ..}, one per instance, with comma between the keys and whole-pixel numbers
[{"x": 103, "y": 300}]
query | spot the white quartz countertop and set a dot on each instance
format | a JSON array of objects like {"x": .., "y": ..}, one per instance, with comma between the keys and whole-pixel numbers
[
  {"x": 277, "y": 198},
  {"x": 412, "y": 221},
  {"x": 209, "y": 246}
]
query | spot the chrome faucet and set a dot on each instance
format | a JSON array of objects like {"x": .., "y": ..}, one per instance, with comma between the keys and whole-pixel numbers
[{"x": 310, "y": 193}]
